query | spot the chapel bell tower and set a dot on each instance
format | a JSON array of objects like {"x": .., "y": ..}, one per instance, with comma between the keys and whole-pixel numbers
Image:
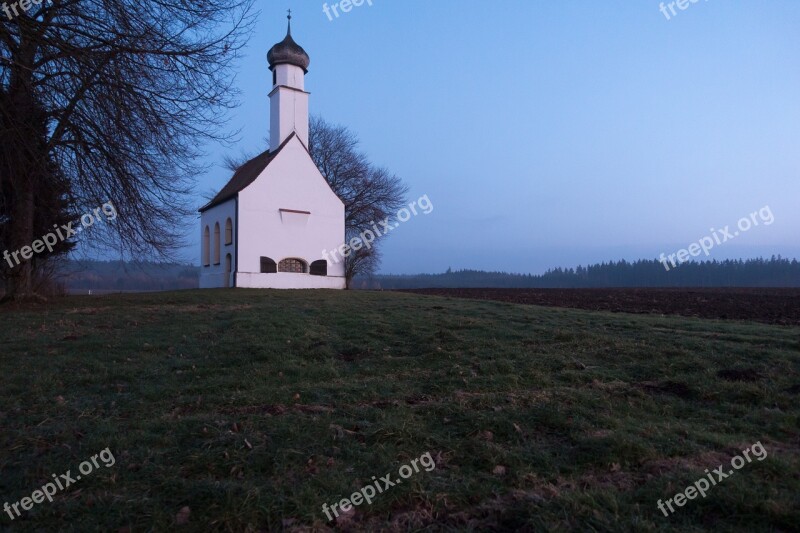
[{"x": 288, "y": 99}]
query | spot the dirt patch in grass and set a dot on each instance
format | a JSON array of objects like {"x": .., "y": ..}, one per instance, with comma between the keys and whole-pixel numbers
[
  {"x": 276, "y": 410},
  {"x": 418, "y": 399},
  {"x": 675, "y": 388},
  {"x": 384, "y": 404},
  {"x": 200, "y": 308},
  {"x": 771, "y": 306},
  {"x": 739, "y": 374},
  {"x": 617, "y": 479},
  {"x": 87, "y": 311},
  {"x": 609, "y": 386},
  {"x": 794, "y": 389},
  {"x": 399, "y": 520},
  {"x": 697, "y": 462},
  {"x": 352, "y": 353}
]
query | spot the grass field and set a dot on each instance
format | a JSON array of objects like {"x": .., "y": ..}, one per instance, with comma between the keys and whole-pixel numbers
[{"x": 254, "y": 408}]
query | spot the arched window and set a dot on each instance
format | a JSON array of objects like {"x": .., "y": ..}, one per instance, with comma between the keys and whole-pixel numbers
[
  {"x": 268, "y": 266},
  {"x": 293, "y": 265},
  {"x": 228, "y": 266},
  {"x": 206, "y": 247},
  {"x": 216, "y": 243},
  {"x": 319, "y": 268},
  {"x": 228, "y": 232}
]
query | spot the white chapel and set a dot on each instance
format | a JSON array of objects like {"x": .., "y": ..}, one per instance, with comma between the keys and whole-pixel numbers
[{"x": 270, "y": 224}]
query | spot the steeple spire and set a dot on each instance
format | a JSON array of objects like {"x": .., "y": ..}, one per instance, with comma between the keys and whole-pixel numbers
[{"x": 289, "y": 29}]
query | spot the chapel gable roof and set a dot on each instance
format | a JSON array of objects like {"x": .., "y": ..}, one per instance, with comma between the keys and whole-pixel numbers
[{"x": 246, "y": 175}]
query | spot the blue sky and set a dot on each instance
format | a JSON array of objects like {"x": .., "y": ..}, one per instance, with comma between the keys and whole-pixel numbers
[{"x": 553, "y": 133}]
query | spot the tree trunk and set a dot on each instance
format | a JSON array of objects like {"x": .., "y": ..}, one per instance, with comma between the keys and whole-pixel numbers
[
  {"x": 20, "y": 282},
  {"x": 23, "y": 164}
]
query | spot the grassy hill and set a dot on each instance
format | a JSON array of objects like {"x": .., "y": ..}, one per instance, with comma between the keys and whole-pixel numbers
[{"x": 249, "y": 410}]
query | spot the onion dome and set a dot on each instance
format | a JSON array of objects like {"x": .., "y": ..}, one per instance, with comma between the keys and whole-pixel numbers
[{"x": 288, "y": 52}]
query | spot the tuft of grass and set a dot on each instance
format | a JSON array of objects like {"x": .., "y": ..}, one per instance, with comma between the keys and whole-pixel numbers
[{"x": 254, "y": 408}]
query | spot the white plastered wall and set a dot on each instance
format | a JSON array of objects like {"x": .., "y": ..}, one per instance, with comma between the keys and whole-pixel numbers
[
  {"x": 270, "y": 227},
  {"x": 214, "y": 276}
]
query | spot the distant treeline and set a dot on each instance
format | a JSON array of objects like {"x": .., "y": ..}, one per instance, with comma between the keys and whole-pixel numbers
[
  {"x": 774, "y": 272},
  {"x": 123, "y": 276}
]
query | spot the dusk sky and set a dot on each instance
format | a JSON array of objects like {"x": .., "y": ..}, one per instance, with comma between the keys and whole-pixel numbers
[{"x": 553, "y": 133}]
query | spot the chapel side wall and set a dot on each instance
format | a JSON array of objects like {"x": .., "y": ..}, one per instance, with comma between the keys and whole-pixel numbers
[{"x": 214, "y": 276}]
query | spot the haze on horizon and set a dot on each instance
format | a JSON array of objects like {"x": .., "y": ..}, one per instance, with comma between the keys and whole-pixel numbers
[{"x": 552, "y": 133}]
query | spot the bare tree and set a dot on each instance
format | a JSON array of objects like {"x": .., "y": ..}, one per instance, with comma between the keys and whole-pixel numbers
[
  {"x": 370, "y": 194},
  {"x": 126, "y": 90}
]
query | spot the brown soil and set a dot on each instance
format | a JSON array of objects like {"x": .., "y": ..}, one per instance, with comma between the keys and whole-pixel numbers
[{"x": 771, "y": 306}]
